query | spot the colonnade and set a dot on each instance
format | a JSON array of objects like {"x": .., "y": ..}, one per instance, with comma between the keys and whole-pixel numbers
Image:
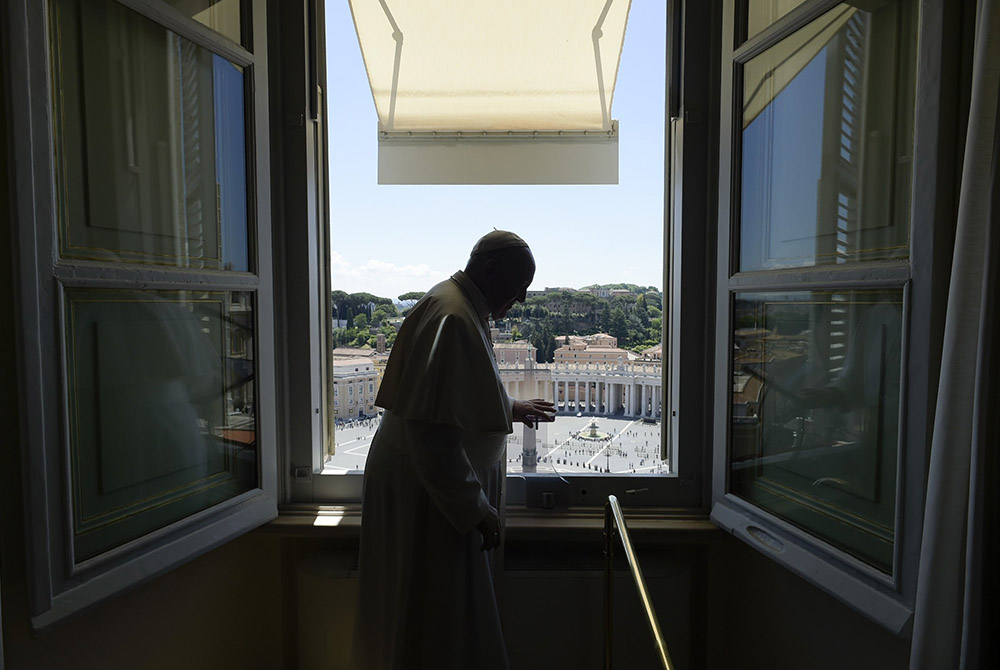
[
  {"x": 609, "y": 392},
  {"x": 635, "y": 397}
]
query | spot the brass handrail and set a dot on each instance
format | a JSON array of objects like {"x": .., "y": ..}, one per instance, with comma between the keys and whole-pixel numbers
[{"x": 613, "y": 508}]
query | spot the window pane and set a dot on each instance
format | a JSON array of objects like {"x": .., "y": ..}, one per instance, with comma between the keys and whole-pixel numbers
[
  {"x": 826, "y": 147},
  {"x": 762, "y": 13},
  {"x": 150, "y": 143},
  {"x": 222, "y": 16},
  {"x": 161, "y": 407},
  {"x": 815, "y": 412}
]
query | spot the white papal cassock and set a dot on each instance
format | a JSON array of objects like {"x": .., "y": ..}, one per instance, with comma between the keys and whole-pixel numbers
[{"x": 426, "y": 597}]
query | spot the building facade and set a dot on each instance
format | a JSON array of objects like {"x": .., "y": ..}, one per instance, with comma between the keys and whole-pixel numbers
[
  {"x": 605, "y": 387},
  {"x": 355, "y": 384}
]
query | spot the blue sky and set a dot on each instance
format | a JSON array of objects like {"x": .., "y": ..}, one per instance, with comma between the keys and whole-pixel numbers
[{"x": 580, "y": 235}]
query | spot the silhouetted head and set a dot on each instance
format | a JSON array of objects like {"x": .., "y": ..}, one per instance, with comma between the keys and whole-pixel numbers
[{"x": 502, "y": 266}]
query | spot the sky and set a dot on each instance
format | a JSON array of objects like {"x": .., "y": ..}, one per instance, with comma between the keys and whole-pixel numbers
[{"x": 580, "y": 235}]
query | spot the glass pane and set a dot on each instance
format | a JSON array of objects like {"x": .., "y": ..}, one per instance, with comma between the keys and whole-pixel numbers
[
  {"x": 762, "y": 13},
  {"x": 161, "y": 407},
  {"x": 150, "y": 143},
  {"x": 815, "y": 412},
  {"x": 826, "y": 144},
  {"x": 222, "y": 16}
]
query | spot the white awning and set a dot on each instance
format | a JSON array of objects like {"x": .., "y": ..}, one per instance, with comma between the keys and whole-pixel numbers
[{"x": 524, "y": 68}]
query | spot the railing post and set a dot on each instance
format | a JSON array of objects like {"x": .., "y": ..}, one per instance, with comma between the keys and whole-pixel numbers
[
  {"x": 608, "y": 574},
  {"x": 614, "y": 508}
]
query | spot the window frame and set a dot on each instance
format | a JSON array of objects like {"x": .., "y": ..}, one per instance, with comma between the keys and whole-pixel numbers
[
  {"x": 58, "y": 587},
  {"x": 886, "y": 599},
  {"x": 691, "y": 91}
]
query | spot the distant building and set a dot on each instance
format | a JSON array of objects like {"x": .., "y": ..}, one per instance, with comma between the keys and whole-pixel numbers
[
  {"x": 603, "y": 355},
  {"x": 595, "y": 340},
  {"x": 653, "y": 353},
  {"x": 598, "y": 348},
  {"x": 355, "y": 384},
  {"x": 551, "y": 289},
  {"x": 605, "y": 381},
  {"x": 520, "y": 353},
  {"x": 378, "y": 358},
  {"x": 601, "y": 340}
]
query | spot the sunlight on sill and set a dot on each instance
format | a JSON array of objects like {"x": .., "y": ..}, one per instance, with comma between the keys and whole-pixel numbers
[{"x": 327, "y": 521}]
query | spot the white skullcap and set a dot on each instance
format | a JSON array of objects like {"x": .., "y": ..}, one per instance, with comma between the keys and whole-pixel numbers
[{"x": 497, "y": 239}]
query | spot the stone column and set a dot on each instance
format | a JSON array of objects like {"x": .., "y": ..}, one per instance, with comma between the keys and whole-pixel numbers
[
  {"x": 586, "y": 396},
  {"x": 529, "y": 451},
  {"x": 645, "y": 400},
  {"x": 576, "y": 396}
]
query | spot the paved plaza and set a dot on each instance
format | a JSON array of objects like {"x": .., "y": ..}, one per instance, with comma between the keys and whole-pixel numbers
[{"x": 625, "y": 446}]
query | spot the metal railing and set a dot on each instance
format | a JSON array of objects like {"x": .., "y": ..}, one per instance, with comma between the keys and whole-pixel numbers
[{"x": 614, "y": 510}]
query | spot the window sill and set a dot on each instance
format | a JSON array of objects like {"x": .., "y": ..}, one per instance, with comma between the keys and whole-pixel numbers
[{"x": 645, "y": 525}]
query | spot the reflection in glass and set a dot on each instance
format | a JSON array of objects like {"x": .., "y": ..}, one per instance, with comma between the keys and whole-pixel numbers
[
  {"x": 762, "y": 13},
  {"x": 826, "y": 147},
  {"x": 150, "y": 142},
  {"x": 815, "y": 413},
  {"x": 222, "y": 16},
  {"x": 161, "y": 408}
]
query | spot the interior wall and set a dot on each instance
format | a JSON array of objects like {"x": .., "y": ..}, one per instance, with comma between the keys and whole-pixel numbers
[
  {"x": 222, "y": 610},
  {"x": 553, "y": 606},
  {"x": 763, "y": 616},
  {"x": 721, "y": 605}
]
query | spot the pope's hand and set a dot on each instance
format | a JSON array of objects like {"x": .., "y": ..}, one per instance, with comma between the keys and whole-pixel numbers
[
  {"x": 530, "y": 412},
  {"x": 490, "y": 529}
]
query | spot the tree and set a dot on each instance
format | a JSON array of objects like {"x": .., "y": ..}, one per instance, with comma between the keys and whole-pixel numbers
[
  {"x": 382, "y": 312},
  {"x": 619, "y": 325},
  {"x": 545, "y": 344},
  {"x": 410, "y": 298}
]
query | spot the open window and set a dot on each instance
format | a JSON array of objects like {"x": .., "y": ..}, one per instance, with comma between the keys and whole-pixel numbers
[
  {"x": 589, "y": 337},
  {"x": 146, "y": 306},
  {"x": 824, "y": 305}
]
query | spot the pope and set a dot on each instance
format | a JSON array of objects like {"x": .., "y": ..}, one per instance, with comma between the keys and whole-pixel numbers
[{"x": 434, "y": 476}]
